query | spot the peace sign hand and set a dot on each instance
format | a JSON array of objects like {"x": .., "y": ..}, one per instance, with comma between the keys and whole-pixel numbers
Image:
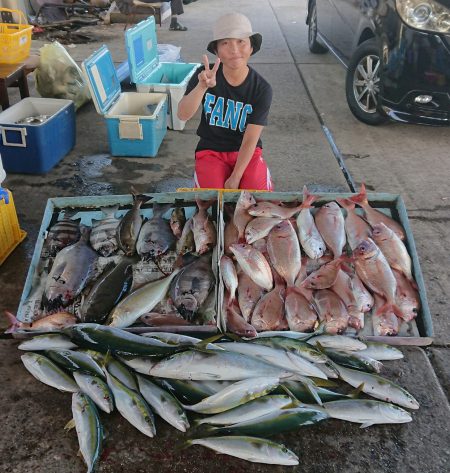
[{"x": 207, "y": 78}]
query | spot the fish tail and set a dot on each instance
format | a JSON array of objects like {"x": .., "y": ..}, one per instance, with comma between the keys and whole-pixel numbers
[
  {"x": 390, "y": 307},
  {"x": 15, "y": 324},
  {"x": 204, "y": 204},
  {"x": 361, "y": 198},
  {"x": 347, "y": 204},
  {"x": 308, "y": 198}
]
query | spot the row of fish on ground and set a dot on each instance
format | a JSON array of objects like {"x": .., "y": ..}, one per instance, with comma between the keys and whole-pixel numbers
[
  {"x": 290, "y": 267},
  {"x": 127, "y": 270},
  {"x": 236, "y": 392}
]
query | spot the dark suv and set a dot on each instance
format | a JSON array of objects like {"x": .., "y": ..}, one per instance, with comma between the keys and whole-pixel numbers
[{"x": 397, "y": 55}]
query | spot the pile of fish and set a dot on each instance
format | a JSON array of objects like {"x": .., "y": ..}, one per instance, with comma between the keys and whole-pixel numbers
[
  {"x": 288, "y": 267},
  {"x": 127, "y": 270},
  {"x": 236, "y": 392}
]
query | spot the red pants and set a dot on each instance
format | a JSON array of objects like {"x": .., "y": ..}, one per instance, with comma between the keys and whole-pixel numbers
[{"x": 213, "y": 168}]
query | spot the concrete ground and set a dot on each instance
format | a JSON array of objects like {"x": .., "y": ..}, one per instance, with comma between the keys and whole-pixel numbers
[{"x": 308, "y": 99}]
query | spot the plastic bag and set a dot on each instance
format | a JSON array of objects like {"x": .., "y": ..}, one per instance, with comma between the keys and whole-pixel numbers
[
  {"x": 58, "y": 76},
  {"x": 169, "y": 53}
]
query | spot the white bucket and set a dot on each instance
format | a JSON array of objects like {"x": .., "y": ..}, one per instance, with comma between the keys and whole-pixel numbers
[{"x": 2, "y": 171}]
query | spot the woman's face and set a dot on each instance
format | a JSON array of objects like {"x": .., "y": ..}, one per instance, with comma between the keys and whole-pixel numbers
[{"x": 234, "y": 53}]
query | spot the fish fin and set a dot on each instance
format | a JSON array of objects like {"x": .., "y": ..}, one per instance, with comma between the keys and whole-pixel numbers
[
  {"x": 347, "y": 204},
  {"x": 323, "y": 383},
  {"x": 294, "y": 400},
  {"x": 361, "y": 198},
  {"x": 366, "y": 424},
  {"x": 204, "y": 343},
  {"x": 389, "y": 306},
  {"x": 15, "y": 324},
  {"x": 308, "y": 198},
  {"x": 70, "y": 425},
  {"x": 357, "y": 392}
]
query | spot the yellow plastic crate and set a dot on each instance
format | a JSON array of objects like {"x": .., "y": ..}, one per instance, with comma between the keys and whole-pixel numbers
[
  {"x": 10, "y": 233},
  {"x": 15, "y": 39}
]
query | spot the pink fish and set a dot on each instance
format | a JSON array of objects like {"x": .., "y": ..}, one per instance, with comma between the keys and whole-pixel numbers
[
  {"x": 331, "y": 310},
  {"x": 241, "y": 216},
  {"x": 300, "y": 314},
  {"x": 363, "y": 297},
  {"x": 269, "y": 311},
  {"x": 356, "y": 228},
  {"x": 55, "y": 321},
  {"x": 325, "y": 276},
  {"x": 155, "y": 319},
  {"x": 230, "y": 232},
  {"x": 307, "y": 293},
  {"x": 284, "y": 251},
  {"x": 386, "y": 322},
  {"x": 203, "y": 228},
  {"x": 312, "y": 265},
  {"x": 344, "y": 289},
  {"x": 254, "y": 264},
  {"x": 374, "y": 216},
  {"x": 236, "y": 323},
  {"x": 259, "y": 228},
  {"x": 407, "y": 297},
  {"x": 271, "y": 209},
  {"x": 393, "y": 249},
  {"x": 229, "y": 276},
  {"x": 249, "y": 294},
  {"x": 376, "y": 274},
  {"x": 330, "y": 223}
]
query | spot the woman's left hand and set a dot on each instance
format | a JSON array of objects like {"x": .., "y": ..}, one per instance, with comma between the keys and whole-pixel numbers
[{"x": 232, "y": 183}]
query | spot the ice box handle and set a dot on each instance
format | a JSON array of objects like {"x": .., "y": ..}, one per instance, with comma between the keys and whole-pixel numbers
[
  {"x": 23, "y": 134},
  {"x": 130, "y": 129}
]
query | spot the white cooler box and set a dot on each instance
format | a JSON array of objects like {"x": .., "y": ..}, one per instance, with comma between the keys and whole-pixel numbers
[
  {"x": 136, "y": 122},
  {"x": 150, "y": 75}
]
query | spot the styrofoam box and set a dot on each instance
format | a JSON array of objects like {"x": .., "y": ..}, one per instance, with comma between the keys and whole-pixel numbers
[
  {"x": 136, "y": 122},
  {"x": 88, "y": 208},
  {"x": 35, "y": 149},
  {"x": 150, "y": 75},
  {"x": 391, "y": 204}
]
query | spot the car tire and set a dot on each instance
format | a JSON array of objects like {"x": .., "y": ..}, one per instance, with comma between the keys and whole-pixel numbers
[
  {"x": 314, "y": 46},
  {"x": 362, "y": 84}
]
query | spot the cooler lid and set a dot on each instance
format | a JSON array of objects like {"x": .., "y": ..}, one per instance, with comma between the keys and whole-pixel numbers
[
  {"x": 102, "y": 79},
  {"x": 142, "y": 49}
]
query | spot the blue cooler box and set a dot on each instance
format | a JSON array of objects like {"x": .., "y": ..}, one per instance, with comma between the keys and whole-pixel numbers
[
  {"x": 36, "y": 148},
  {"x": 136, "y": 122},
  {"x": 150, "y": 75}
]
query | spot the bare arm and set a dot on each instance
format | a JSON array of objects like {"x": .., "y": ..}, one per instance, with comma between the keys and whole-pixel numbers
[
  {"x": 248, "y": 145},
  {"x": 189, "y": 103}
]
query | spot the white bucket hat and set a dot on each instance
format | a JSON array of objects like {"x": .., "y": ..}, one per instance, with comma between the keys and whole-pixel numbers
[{"x": 234, "y": 25}]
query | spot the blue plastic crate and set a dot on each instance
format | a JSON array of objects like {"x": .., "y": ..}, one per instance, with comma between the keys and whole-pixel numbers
[
  {"x": 136, "y": 122},
  {"x": 35, "y": 149},
  {"x": 150, "y": 75}
]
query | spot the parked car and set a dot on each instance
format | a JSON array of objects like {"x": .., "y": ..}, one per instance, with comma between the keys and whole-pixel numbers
[{"x": 397, "y": 55}]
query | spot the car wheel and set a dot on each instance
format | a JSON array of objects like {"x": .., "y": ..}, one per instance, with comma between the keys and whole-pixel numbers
[
  {"x": 362, "y": 85},
  {"x": 314, "y": 46}
]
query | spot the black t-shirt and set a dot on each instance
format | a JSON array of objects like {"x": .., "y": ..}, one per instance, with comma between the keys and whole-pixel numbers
[{"x": 227, "y": 110}]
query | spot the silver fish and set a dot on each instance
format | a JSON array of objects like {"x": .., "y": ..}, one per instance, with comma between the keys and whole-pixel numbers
[
  {"x": 48, "y": 373},
  {"x": 366, "y": 412},
  {"x": 89, "y": 429},
  {"x": 96, "y": 389},
  {"x": 71, "y": 271},
  {"x": 140, "y": 301},
  {"x": 229, "y": 276},
  {"x": 130, "y": 225},
  {"x": 252, "y": 449},
  {"x": 103, "y": 236},
  {"x": 132, "y": 406},
  {"x": 192, "y": 285},
  {"x": 164, "y": 404},
  {"x": 156, "y": 236},
  {"x": 47, "y": 342}
]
